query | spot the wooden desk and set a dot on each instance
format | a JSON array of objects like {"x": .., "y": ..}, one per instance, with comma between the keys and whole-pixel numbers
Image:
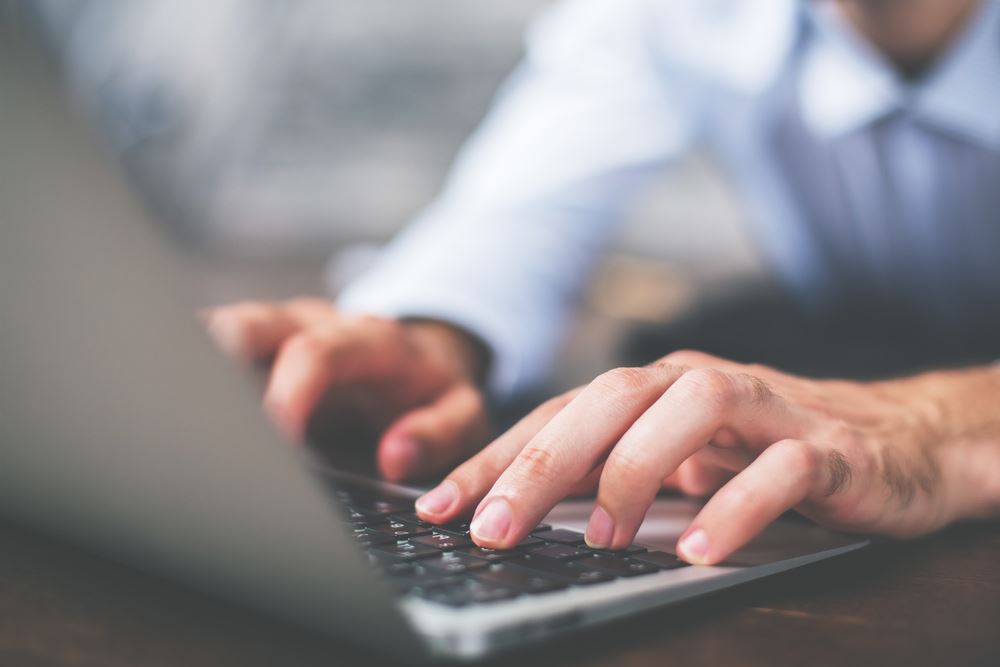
[{"x": 931, "y": 602}]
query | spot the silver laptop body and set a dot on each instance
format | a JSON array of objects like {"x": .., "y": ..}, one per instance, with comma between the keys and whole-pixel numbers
[{"x": 122, "y": 429}]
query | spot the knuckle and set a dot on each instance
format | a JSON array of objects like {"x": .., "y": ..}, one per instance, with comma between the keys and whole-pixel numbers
[
  {"x": 841, "y": 432},
  {"x": 759, "y": 370},
  {"x": 686, "y": 358},
  {"x": 665, "y": 367},
  {"x": 363, "y": 325},
  {"x": 799, "y": 459},
  {"x": 538, "y": 463},
  {"x": 759, "y": 390},
  {"x": 303, "y": 310},
  {"x": 709, "y": 384},
  {"x": 622, "y": 465},
  {"x": 308, "y": 344},
  {"x": 839, "y": 472},
  {"x": 624, "y": 381},
  {"x": 849, "y": 455},
  {"x": 862, "y": 457}
]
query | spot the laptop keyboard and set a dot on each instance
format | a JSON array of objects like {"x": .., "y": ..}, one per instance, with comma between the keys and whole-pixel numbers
[{"x": 443, "y": 565}]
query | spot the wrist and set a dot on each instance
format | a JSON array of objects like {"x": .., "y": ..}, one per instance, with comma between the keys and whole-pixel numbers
[
  {"x": 451, "y": 345},
  {"x": 957, "y": 413}
]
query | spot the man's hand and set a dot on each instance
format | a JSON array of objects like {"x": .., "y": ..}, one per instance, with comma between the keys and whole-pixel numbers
[
  {"x": 414, "y": 381},
  {"x": 899, "y": 458}
]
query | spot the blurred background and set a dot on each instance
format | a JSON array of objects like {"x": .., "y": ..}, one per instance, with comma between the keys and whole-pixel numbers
[{"x": 284, "y": 140}]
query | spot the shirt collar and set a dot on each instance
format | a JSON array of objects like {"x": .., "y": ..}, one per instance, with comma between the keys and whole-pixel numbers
[{"x": 844, "y": 84}]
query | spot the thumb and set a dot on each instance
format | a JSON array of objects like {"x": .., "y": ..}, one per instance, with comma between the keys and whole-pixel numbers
[{"x": 434, "y": 436}]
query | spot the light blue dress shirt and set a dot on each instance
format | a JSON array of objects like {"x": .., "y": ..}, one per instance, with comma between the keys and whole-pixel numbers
[{"x": 857, "y": 183}]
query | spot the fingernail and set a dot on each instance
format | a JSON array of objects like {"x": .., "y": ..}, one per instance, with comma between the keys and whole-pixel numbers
[
  {"x": 405, "y": 456},
  {"x": 438, "y": 500},
  {"x": 600, "y": 529},
  {"x": 493, "y": 522},
  {"x": 693, "y": 547}
]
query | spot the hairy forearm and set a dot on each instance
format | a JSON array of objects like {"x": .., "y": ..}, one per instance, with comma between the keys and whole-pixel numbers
[{"x": 959, "y": 413}]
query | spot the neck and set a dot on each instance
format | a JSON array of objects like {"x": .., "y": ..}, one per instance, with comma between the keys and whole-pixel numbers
[{"x": 911, "y": 34}]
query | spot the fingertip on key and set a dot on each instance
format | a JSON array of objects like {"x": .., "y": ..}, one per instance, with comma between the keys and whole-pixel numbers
[
  {"x": 693, "y": 547},
  {"x": 492, "y": 524},
  {"x": 600, "y": 529},
  {"x": 438, "y": 501}
]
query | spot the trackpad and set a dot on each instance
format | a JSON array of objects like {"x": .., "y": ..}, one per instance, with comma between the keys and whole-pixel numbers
[{"x": 789, "y": 537}]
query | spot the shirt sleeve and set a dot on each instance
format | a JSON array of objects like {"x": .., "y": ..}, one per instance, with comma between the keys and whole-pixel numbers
[{"x": 506, "y": 248}]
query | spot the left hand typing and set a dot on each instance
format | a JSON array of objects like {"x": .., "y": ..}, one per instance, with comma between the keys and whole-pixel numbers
[{"x": 900, "y": 457}]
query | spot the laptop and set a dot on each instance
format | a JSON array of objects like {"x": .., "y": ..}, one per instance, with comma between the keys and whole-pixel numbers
[{"x": 124, "y": 430}]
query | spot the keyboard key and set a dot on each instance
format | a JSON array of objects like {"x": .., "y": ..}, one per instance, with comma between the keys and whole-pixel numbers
[
  {"x": 588, "y": 577},
  {"x": 627, "y": 551},
  {"x": 560, "y": 535},
  {"x": 367, "y": 537},
  {"x": 469, "y": 591},
  {"x": 460, "y": 529},
  {"x": 361, "y": 517},
  {"x": 410, "y": 517},
  {"x": 493, "y": 555},
  {"x": 616, "y": 566},
  {"x": 454, "y": 563},
  {"x": 520, "y": 579},
  {"x": 490, "y": 555},
  {"x": 659, "y": 559},
  {"x": 443, "y": 541},
  {"x": 540, "y": 527},
  {"x": 530, "y": 542},
  {"x": 382, "y": 506},
  {"x": 406, "y": 550},
  {"x": 559, "y": 570},
  {"x": 560, "y": 552},
  {"x": 401, "y": 530}
]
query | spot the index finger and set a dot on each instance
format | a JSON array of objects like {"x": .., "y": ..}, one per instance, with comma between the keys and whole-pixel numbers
[
  {"x": 309, "y": 365},
  {"x": 565, "y": 451},
  {"x": 254, "y": 330},
  {"x": 469, "y": 482}
]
